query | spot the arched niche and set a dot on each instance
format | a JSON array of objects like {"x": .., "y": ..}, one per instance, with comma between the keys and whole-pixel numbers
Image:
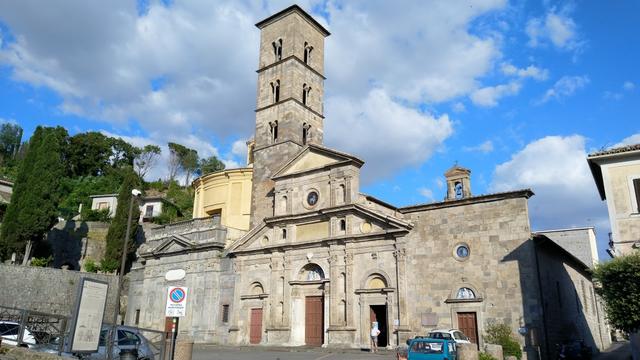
[
  {"x": 311, "y": 272},
  {"x": 375, "y": 279}
]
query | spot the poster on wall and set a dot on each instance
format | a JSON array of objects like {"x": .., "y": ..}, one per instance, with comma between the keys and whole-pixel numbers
[{"x": 87, "y": 319}]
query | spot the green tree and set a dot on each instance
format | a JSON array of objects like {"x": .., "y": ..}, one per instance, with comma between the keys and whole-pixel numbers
[
  {"x": 182, "y": 159},
  {"x": 33, "y": 209},
  {"x": 618, "y": 282},
  {"x": 146, "y": 159},
  {"x": 10, "y": 139},
  {"x": 210, "y": 165},
  {"x": 118, "y": 228},
  {"x": 88, "y": 154}
]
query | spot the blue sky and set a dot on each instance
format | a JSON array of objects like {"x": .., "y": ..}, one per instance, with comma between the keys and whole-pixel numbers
[{"x": 519, "y": 92}]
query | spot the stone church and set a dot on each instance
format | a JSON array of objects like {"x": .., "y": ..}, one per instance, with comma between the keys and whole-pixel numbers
[{"x": 288, "y": 251}]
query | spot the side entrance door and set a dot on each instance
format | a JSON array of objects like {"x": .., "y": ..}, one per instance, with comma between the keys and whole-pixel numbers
[
  {"x": 468, "y": 323},
  {"x": 255, "y": 326},
  {"x": 313, "y": 321}
]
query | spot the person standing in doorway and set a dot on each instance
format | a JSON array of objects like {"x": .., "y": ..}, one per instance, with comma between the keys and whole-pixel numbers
[{"x": 374, "y": 336}]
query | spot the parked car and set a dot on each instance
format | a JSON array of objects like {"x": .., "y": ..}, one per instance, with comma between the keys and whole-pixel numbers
[
  {"x": 128, "y": 338},
  {"x": 9, "y": 331},
  {"x": 451, "y": 334},
  {"x": 432, "y": 349}
]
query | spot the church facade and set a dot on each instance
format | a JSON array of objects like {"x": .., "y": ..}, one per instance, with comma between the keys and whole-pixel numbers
[{"x": 321, "y": 261}]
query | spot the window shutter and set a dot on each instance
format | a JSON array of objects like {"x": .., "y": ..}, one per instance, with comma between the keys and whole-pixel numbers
[{"x": 636, "y": 188}]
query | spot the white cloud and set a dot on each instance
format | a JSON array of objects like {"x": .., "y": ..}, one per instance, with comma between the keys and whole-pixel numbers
[
  {"x": 409, "y": 136},
  {"x": 556, "y": 28},
  {"x": 485, "y": 147},
  {"x": 185, "y": 72},
  {"x": 555, "y": 168},
  {"x": 458, "y": 107},
  {"x": 630, "y": 140},
  {"x": 628, "y": 85},
  {"x": 489, "y": 96},
  {"x": 530, "y": 71},
  {"x": 427, "y": 193},
  {"x": 566, "y": 86}
]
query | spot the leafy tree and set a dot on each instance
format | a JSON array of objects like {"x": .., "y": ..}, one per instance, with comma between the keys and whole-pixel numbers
[
  {"x": 210, "y": 165},
  {"x": 618, "y": 282},
  {"x": 118, "y": 228},
  {"x": 146, "y": 159},
  {"x": 77, "y": 190},
  {"x": 182, "y": 159},
  {"x": 122, "y": 153},
  {"x": 10, "y": 139},
  {"x": 33, "y": 208},
  {"x": 182, "y": 198},
  {"x": 500, "y": 334},
  {"x": 88, "y": 154}
]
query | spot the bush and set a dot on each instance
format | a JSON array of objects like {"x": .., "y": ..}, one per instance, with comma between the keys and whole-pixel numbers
[
  {"x": 500, "y": 334},
  {"x": 618, "y": 282},
  {"x": 110, "y": 265},
  {"x": 96, "y": 215},
  {"x": 41, "y": 262},
  {"x": 91, "y": 266},
  {"x": 485, "y": 356}
]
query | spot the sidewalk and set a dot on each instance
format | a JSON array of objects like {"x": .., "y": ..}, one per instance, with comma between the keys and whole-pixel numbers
[
  {"x": 332, "y": 350},
  {"x": 617, "y": 351}
]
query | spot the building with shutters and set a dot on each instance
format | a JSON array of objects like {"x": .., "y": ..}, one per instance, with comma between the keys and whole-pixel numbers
[
  {"x": 617, "y": 176},
  {"x": 321, "y": 261}
]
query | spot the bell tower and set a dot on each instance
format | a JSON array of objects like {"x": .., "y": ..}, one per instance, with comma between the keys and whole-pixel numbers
[{"x": 289, "y": 109}]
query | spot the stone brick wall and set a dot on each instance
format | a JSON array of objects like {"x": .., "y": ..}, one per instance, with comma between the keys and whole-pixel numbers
[
  {"x": 73, "y": 242},
  {"x": 48, "y": 290},
  {"x": 500, "y": 268},
  {"x": 572, "y": 309}
]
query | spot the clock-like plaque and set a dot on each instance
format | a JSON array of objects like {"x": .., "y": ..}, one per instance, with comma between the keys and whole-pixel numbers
[{"x": 312, "y": 198}]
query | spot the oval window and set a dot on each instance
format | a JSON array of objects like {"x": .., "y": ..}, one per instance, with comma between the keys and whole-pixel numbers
[{"x": 312, "y": 198}]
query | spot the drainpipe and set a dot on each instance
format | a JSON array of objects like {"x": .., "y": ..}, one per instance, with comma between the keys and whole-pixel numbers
[{"x": 397, "y": 296}]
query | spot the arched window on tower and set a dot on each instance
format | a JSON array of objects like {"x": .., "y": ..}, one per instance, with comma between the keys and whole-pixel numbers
[
  {"x": 305, "y": 93},
  {"x": 343, "y": 225},
  {"x": 307, "y": 53},
  {"x": 306, "y": 128},
  {"x": 273, "y": 128},
  {"x": 277, "y": 49},
  {"x": 458, "y": 190},
  {"x": 275, "y": 91}
]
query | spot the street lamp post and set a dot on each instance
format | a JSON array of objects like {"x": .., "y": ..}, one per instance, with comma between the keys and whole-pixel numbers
[{"x": 135, "y": 194}]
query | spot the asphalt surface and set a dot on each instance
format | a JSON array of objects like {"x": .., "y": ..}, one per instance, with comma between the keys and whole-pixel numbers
[
  {"x": 210, "y": 352},
  {"x": 618, "y": 351}
]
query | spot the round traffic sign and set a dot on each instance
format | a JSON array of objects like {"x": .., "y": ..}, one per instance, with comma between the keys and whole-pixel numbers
[{"x": 177, "y": 295}]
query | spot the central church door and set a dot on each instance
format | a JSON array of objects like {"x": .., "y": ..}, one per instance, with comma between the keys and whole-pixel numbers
[{"x": 313, "y": 321}]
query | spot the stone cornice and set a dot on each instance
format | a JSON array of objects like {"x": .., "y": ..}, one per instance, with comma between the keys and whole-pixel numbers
[
  {"x": 294, "y": 100},
  {"x": 297, "y": 59},
  {"x": 526, "y": 193}
]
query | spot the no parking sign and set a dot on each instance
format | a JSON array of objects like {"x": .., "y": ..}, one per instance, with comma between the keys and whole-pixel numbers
[{"x": 176, "y": 301}]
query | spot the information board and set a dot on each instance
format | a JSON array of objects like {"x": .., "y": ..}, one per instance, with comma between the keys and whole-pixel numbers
[{"x": 87, "y": 321}]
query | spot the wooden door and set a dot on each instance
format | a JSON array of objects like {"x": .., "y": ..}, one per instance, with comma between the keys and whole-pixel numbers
[
  {"x": 468, "y": 324},
  {"x": 313, "y": 321},
  {"x": 255, "y": 326}
]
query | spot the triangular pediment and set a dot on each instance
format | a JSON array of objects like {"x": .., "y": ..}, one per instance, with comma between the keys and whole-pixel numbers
[
  {"x": 314, "y": 157},
  {"x": 175, "y": 243},
  {"x": 306, "y": 229}
]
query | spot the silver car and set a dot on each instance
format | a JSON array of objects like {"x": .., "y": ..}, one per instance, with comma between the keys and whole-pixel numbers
[{"x": 128, "y": 338}]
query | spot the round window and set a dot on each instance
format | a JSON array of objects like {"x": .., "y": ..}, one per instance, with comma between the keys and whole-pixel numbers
[
  {"x": 461, "y": 251},
  {"x": 312, "y": 198}
]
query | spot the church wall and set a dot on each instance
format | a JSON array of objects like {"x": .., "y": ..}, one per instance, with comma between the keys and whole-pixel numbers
[{"x": 500, "y": 268}]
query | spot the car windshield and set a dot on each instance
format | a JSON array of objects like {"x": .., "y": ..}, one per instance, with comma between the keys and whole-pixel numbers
[
  {"x": 439, "y": 335},
  {"x": 427, "y": 347},
  {"x": 9, "y": 329}
]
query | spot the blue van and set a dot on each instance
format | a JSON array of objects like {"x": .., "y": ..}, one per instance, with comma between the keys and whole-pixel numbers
[{"x": 431, "y": 349}]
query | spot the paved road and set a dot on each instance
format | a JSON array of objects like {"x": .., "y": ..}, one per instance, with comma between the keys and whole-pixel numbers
[
  {"x": 618, "y": 351},
  {"x": 205, "y": 352}
]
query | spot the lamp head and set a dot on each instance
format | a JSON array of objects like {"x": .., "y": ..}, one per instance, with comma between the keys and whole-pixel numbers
[{"x": 136, "y": 192}]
